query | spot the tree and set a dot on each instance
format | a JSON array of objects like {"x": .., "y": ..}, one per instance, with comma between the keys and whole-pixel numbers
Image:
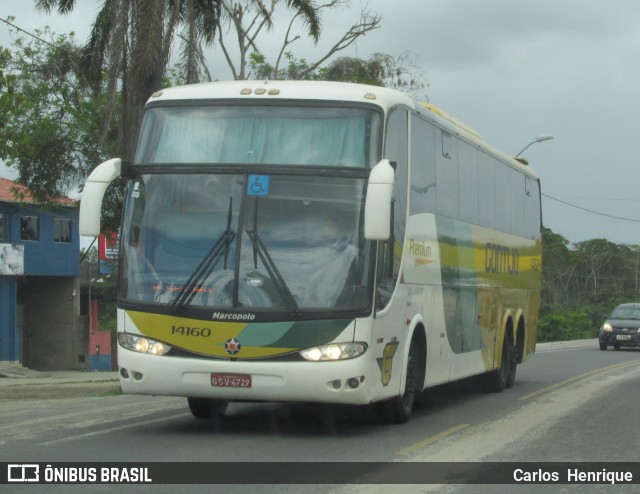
[
  {"x": 7, "y": 86},
  {"x": 582, "y": 282},
  {"x": 131, "y": 42},
  {"x": 250, "y": 19},
  {"x": 558, "y": 269},
  {"x": 49, "y": 118},
  {"x": 126, "y": 60},
  {"x": 597, "y": 263},
  {"x": 51, "y": 125},
  {"x": 129, "y": 48},
  {"x": 633, "y": 262},
  {"x": 379, "y": 70}
]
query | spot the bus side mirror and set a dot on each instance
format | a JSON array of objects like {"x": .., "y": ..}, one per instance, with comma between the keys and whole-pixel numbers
[
  {"x": 93, "y": 194},
  {"x": 377, "y": 209}
]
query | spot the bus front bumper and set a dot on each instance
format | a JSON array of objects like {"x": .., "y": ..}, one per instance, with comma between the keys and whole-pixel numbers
[{"x": 342, "y": 382}]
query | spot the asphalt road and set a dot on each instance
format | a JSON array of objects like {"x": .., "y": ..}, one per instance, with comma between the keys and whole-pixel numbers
[{"x": 568, "y": 404}]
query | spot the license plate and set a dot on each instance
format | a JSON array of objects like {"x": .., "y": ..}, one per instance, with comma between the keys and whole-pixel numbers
[
  {"x": 623, "y": 337},
  {"x": 227, "y": 380}
]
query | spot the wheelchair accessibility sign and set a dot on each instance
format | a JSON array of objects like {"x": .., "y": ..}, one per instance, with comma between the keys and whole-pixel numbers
[{"x": 258, "y": 185}]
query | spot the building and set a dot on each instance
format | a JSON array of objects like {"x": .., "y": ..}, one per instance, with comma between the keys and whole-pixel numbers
[{"x": 40, "y": 323}]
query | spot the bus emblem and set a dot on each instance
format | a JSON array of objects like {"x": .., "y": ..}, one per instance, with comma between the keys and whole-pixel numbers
[
  {"x": 232, "y": 346},
  {"x": 386, "y": 362}
]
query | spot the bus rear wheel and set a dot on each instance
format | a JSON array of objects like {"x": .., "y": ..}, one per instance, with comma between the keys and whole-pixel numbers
[
  {"x": 207, "y": 408},
  {"x": 504, "y": 377}
]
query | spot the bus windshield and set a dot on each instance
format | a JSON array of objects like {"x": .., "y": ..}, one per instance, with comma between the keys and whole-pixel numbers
[
  {"x": 273, "y": 135},
  {"x": 215, "y": 241}
]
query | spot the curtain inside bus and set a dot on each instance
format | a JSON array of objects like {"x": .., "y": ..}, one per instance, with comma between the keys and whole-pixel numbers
[{"x": 250, "y": 135}]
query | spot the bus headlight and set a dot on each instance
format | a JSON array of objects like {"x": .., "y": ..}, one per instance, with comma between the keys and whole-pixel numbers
[
  {"x": 141, "y": 344},
  {"x": 335, "y": 351}
]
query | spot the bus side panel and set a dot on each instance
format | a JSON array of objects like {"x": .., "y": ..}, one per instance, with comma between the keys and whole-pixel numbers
[
  {"x": 439, "y": 255},
  {"x": 510, "y": 266},
  {"x": 421, "y": 273},
  {"x": 390, "y": 333},
  {"x": 470, "y": 278}
]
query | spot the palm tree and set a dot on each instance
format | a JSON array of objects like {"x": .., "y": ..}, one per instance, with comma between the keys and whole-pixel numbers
[
  {"x": 131, "y": 41},
  {"x": 249, "y": 18},
  {"x": 125, "y": 58},
  {"x": 129, "y": 46}
]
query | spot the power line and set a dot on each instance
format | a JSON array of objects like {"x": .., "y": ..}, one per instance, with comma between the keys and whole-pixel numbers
[
  {"x": 52, "y": 45},
  {"x": 590, "y": 210},
  {"x": 28, "y": 33}
]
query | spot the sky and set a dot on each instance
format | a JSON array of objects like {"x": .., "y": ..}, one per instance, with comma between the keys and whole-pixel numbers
[{"x": 511, "y": 69}]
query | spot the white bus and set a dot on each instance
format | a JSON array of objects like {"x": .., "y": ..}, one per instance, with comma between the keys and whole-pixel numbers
[{"x": 317, "y": 242}]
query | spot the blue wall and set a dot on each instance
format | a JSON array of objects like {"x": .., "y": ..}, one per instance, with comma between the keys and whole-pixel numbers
[
  {"x": 45, "y": 257},
  {"x": 9, "y": 338}
]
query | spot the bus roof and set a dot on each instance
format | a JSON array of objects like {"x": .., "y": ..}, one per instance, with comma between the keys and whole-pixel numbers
[
  {"x": 287, "y": 90},
  {"x": 330, "y": 91}
]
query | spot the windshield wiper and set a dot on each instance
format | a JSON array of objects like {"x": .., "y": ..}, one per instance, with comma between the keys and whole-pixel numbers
[
  {"x": 260, "y": 249},
  {"x": 206, "y": 265}
]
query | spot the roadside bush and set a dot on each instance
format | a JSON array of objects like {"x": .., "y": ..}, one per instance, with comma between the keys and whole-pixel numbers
[{"x": 571, "y": 325}]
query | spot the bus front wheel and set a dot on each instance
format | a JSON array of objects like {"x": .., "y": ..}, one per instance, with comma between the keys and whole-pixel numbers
[
  {"x": 207, "y": 408},
  {"x": 398, "y": 410}
]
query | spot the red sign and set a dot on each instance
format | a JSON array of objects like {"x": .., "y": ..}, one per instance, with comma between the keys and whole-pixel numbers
[{"x": 108, "y": 247}]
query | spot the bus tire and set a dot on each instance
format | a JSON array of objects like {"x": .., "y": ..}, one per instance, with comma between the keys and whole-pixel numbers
[
  {"x": 513, "y": 366},
  {"x": 398, "y": 410},
  {"x": 207, "y": 408},
  {"x": 503, "y": 377}
]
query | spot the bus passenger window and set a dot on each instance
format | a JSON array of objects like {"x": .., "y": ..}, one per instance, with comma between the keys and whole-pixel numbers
[
  {"x": 446, "y": 145},
  {"x": 468, "y": 180},
  {"x": 423, "y": 167},
  {"x": 447, "y": 178}
]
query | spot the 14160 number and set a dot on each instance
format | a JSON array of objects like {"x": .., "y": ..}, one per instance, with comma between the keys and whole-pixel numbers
[{"x": 189, "y": 331}]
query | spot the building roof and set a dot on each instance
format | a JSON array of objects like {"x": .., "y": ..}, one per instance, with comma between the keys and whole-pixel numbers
[{"x": 15, "y": 193}]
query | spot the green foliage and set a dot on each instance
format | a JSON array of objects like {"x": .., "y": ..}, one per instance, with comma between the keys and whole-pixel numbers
[
  {"x": 49, "y": 118},
  {"x": 595, "y": 272},
  {"x": 107, "y": 316},
  {"x": 380, "y": 69},
  {"x": 566, "y": 325},
  {"x": 295, "y": 69},
  {"x": 7, "y": 87},
  {"x": 582, "y": 282},
  {"x": 53, "y": 129},
  {"x": 349, "y": 69}
]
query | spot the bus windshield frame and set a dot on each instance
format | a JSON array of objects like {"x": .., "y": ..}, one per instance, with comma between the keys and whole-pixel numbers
[{"x": 258, "y": 223}]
